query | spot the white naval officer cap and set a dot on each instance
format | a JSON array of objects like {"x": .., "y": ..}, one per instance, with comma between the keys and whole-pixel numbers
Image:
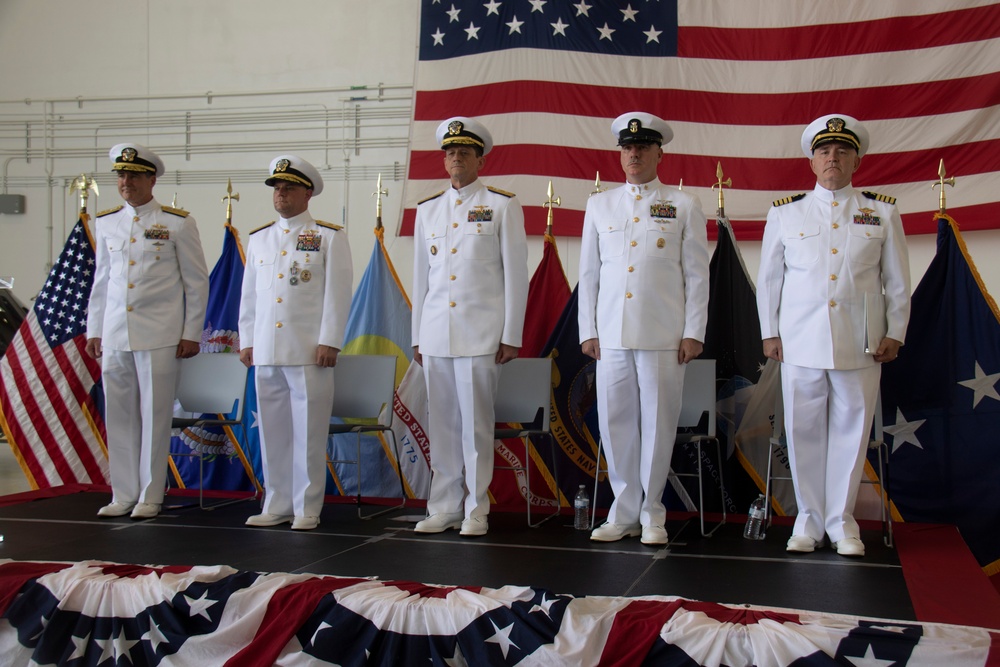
[
  {"x": 293, "y": 169},
  {"x": 462, "y": 131},
  {"x": 835, "y": 127},
  {"x": 134, "y": 157},
  {"x": 639, "y": 127}
]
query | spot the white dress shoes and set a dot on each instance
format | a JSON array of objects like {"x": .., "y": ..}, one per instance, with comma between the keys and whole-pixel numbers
[
  {"x": 653, "y": 535},
  {"x": 801, "y": 544},
  {"x": 305, "y": 523},
  {"x": 438, "y": 523},
  {"x": 850, "y": 546},
  {"x": 612, "y": 532},
  {"x": 115, "y": 509},
  {"x": 145, "y": 510},
  {"x": 262, "y": 520},
  {"x": 474, "y": 527}
]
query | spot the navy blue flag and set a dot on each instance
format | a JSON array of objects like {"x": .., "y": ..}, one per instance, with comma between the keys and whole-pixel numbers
[
  {"x": 229, "y": 457},
  {"x": 940, "y": 404}
]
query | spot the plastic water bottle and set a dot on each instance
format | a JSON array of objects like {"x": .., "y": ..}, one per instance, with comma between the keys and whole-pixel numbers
[
  {"x": 581, "y": 507},
  {"x": 754, "y": 529}
]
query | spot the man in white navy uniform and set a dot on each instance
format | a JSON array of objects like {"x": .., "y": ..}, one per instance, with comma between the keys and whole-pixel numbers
[
  {"x": 470, "y": 287},
  {"x": 146, "y": 312},
  {"x": 833, "y": 296},
  {"x": 293, "y": 313},
  {"x": 643, "y": 300}
]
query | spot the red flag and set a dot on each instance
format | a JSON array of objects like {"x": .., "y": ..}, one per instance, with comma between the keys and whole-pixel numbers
[
  {"x": 548, "y": 293},
  {"x": 49, "y": 389}
]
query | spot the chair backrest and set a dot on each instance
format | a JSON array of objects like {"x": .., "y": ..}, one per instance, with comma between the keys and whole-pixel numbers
[
  {"x": 362, "y": 385},
  {"x": 525, "y": 387},
  {"x": 699, "y": 395},
  {"x": 213, "y": 383}
]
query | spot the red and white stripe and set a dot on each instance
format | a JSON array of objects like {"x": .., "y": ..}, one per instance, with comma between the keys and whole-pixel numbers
[{"x": 924, "y": 76}]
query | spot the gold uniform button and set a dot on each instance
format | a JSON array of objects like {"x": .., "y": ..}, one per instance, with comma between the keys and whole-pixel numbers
[
  {"x": 832, "y": 303},
  {"x": 281, "y": 275},
  {"x": 286, "y": 231},
  {"x": 453, "y": 277},
  {"x": 454, "y": 224},
  {"x": 834, "y": 251},
  {"x": 284, "y": 252},
  {"x": 836, "y": 226},
  {"x": 638, "y": 197},
  {"x": 833, "y": 276},
  {"x": 868, "y": 234},
  {"x": 454, "y": 250},
  {"x": 135, "y": 218},
  {"x": 458, "y": 202},
  {"x": 452, "y": 304},
  {"x": 836, "y": 204},
  {"x": 628, "y": 295},
  {"x": 631, "y": 269},
  {"x": 634, "y": 243},
  {"x": 131, "y": 285},
  {"x": 278, "y": 300},
  {"x": 278, "y": 325},
  {"x": 132, "y": 240},
  {"x": 157, "y": 257},
  {"x": 635, "y": 219},
  {"x": 128, "y": 308},
  {"x": 131, "y": 262}
]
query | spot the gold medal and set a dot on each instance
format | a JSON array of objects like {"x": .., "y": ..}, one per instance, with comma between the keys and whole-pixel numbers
[
  {"x": 306, "y": 276},
  {"x": 434, "y": 250},
  {"x": 660, "y": 243}
]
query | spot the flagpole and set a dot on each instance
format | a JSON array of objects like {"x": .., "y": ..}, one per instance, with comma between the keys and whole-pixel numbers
[
  {"x": 597, "y": 185},
  {"x": 942, "y": 181},
  {"x": 379, "y": 191},
  {"x": 721, "y": 211},
  {"x": 549, "y": 203}
]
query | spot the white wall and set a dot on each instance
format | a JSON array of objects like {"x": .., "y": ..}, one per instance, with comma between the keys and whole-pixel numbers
[{"x": 62, "y": 50}]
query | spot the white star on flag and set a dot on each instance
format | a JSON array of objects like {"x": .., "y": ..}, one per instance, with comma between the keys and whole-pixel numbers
[
  {"x": 545, "y": 606},
  {"x": 502, "y": 638},
  {"x": 606, "y": 32},
  {"x": 200, "y": 606},
  {"x": 903, "y": 431},
  {"x": 582, "y": 8},
  {"x": 493, "y": 7},
  {"x": 438, "y": 37},
  {"x": 628, "y": 13},
  {"x": 472, "y": 31},
  {"x": 559, "y": 28},
  {"x": 515, "y": 25},
  {"x": 536, "y": 6},
  {"x": 869, "y": 660},
  {"x": 453, "y": 13},
  {"x": 982, "y": 385}
]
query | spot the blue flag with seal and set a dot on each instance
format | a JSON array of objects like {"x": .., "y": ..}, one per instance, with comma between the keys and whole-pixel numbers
[
  {"x": 940, "y": 404},
  {"x": 231, "y": 462},
  {"x": 379, "y": 323}
]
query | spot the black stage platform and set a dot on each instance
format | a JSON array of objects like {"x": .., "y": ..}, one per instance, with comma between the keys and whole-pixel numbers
[{"x": 724, "y": 568}]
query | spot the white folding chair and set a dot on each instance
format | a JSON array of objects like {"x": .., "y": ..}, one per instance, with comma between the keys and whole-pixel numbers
[
  {"x": 364, "y": 384},
  {"x": 523, "y": 400},
  {"x": 697, "y": 406},
  {"x": 213, "y": 385}
]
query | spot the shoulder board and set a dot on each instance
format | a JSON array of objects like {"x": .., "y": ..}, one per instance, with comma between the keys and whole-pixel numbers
[
  {"x": 254, "y": 231},
  {"x": 329, "y": 225},
  {"x": 500, "y": 192},
  {"x": 175, "y": 211},
  {"x": 111, "y": 210},
  {"x": 787, "y": 200},
  {"x": 882, "y": 198},
  {"x": 435, "y": 196}
]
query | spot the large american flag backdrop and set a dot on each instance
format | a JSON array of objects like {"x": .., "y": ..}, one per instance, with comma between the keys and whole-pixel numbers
[
  {"x": 738, "y": 80},
  {"x": 100, "y": 613}
]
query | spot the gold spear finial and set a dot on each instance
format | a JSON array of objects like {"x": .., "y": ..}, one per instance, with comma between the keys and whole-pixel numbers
[
  {"x": 942, "y": 181},
  {"x": 719, "y": 183},
  {"x": 597, "y": 185},
  {"x": 379, "y": 192},
  {"x": 83, "y": 184},
  {"x": 230, "y": 196},
  {"x": 549, "y": 203}
]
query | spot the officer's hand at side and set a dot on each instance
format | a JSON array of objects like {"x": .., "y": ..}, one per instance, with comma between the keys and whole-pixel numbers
[
  {"x": 773, "y": 349},
  {"x": 187, "y": 349},
  {"x": 690, "y": 349},
  {"x": 417, "y": 357},
  {"x": 326, "y": 356},
  {"x": 94, "y": 348},
  {"x": 506, "y": 353},
  {"x": 246, "y": 356},
  {"x": 887, "y": 350},
  {"x": 592, "y": 348}
]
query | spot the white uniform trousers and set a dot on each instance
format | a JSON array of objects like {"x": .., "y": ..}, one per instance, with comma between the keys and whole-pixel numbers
[
  {"x": 460, "y": 419},
  {"x": 293, "y": 415},
  {"x": 828, "y": 420},
  {"x": 639, "y": 403},
  {"x": 139, "y": 390}
]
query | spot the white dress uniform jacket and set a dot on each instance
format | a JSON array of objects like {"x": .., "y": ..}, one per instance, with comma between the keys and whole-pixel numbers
[
  {"x": 823, "y": 255},
  {"x": 296, "y": 291},
  {"x": 643, "y": 268},
  {"x": 470, "y": 275},
  {"x": 151, "y": 283}
]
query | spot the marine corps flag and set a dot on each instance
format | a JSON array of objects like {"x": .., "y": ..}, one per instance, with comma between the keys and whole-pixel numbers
[{"x": 940, "y": 404}]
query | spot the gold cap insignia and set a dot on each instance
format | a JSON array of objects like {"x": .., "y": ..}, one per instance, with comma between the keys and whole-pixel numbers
[
  {"x": 281, "y": 166},
  {"x": 455, "y": 127},
  {"x": 835, "y": 125},
  {"x": 634, "y": 125},
  {"x": 128, "y": 154}
]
